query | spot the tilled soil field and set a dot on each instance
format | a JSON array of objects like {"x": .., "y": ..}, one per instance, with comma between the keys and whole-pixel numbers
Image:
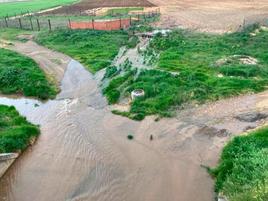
[
  {"x": 86, "y": 5},
  {"x": 211, "y": 15}
]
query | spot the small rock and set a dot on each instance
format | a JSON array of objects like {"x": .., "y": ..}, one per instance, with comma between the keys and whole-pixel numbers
[{"x": 251, "y": 116}]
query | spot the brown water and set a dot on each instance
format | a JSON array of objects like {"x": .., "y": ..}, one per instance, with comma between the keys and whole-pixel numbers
[{"x": 83, "y": 153}]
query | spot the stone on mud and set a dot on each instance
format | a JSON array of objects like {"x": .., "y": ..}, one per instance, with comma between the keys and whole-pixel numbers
[
  {"x": 251, "y": 116},
  {"x": 213, "y": 132}
]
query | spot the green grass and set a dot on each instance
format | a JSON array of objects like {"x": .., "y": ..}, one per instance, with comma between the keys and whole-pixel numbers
[
  {"x": 15, "y": 131},
  {"x": 16, "y": 8},
  {"x": 192, "y": 58},
  {"x": 94, "y": 49},
  {"x": 21, "y": 75},
  {"x": 11, "y": 34},
  {"x": 242, "y": 174},
  {"x": 123, "y": 11}
]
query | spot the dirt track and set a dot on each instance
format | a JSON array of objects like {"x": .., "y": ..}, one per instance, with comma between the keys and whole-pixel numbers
[
  {"x": 211, "y": 15},
  {"x": 83, "y": 153}
]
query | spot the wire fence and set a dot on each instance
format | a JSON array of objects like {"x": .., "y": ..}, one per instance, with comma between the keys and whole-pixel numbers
[{"x": 51, "y": 22}]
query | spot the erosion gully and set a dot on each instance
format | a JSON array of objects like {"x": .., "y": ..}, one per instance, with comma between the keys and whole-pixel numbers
[{"x": 83, "y": 153}]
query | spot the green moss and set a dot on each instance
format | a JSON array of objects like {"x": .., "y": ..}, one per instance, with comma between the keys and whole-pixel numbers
[
  {"x": 15, "y": 131},
  {"x": 20, "y": 74}
]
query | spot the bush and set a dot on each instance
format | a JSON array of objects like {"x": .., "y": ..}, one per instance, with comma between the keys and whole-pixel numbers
[{"x": 15, "y": 131}]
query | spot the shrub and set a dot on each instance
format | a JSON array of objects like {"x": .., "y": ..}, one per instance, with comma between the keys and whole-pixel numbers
[{"x": 15, "y": 131}]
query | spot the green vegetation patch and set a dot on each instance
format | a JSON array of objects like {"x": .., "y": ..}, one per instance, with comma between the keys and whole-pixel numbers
[
  {"x": 242, "y": 174},
  {"x": 16, "y": 8},
  {"x": 15, "y": 131},
  {"x": 94, "y": 49},
  {"x": 12, "y": 34},
  {"x": 123, "y": 11},
  {"x": 21, "y": 75},
  {"x": 195, "y": 68}
]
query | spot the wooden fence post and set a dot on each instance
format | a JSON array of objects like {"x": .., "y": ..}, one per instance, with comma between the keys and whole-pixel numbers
[
  {"x": 69, "y": 21},
  {"x": 20, "y": 23},
  {"x": 93, "y": 27},
  {"x": 130, "y": 20},
  {"x": 6, "y": 22},
  {"x": 31, "y": 23},
  {"x": 38, "y": 24},
  {"x": 120, "y": 20},
  {"x": 49, "y": 25}
]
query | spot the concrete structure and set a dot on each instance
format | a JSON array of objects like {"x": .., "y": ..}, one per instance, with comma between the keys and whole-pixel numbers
[{"x": 6, "y": 160}]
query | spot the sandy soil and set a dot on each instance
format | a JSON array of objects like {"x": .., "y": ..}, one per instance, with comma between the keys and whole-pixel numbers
[
  {"x": 211, "y": 15},
  {"x": 83, "y": 153}
]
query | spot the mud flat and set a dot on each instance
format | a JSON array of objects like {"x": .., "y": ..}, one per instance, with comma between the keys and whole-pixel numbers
[{"x": 83, "y": 152}]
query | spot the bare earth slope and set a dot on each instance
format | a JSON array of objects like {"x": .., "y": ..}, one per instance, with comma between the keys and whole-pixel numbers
[
  {"x": 83, "y": 153},
  {"x": 211, "y": 15}
]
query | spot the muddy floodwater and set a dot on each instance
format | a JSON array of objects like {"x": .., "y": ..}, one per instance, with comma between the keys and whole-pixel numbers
[{"x": 83, "y": 153}]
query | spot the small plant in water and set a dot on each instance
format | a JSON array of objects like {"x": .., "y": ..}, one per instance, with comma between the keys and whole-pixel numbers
[{"x": 130, "y": 137}]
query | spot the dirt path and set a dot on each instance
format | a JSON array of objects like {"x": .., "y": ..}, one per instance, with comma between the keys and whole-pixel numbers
[
  {"x": 83, "y": 153},
  {"x": 211, "y": 15}
]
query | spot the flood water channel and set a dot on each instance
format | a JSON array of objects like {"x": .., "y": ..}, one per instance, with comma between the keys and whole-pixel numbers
[{"x": 83, "y": 153}]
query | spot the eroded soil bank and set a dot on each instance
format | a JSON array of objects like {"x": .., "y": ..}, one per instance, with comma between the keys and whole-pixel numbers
[{"x": 83, "y": 152}]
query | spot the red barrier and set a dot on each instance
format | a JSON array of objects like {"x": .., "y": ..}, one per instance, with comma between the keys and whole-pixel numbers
[{"x": 102, "y": 25}]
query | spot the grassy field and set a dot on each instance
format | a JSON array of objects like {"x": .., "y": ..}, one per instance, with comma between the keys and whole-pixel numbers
[
  {"x": 94, "y": 49},
  {"x": 15, "y": 131},
  {"x": 195, "y": 68},
  {"x": 242, "y": 174},
  {"x": 123, "y": 11},
  {"x": 16, "y": 8},
  {"x": 21, "y": 75}
]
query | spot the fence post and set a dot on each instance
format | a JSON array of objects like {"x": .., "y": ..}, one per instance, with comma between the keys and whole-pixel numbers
[
  {"x": 20, "y": 23},
  {"x": 31, "y": 23},
  {"x": 93, "y": 27},
  {"x": 120, "y": 20},
  {"x": 38, "y": 24},
  {"x": 6, "y": 21},
  {"x": 49, "y": 25},
  {"x": 69, "y": 21},
  {"x": 130, "y": 20}
]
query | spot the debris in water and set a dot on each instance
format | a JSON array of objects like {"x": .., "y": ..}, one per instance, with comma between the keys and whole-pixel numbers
[{"x": 130, "y": 137}]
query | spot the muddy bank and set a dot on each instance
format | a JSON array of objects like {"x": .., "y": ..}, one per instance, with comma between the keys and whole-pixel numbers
[{"x": 83, "y": 152}]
